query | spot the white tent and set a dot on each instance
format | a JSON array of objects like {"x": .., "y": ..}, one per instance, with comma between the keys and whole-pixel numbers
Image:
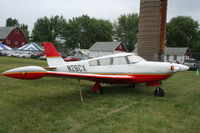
[
  {"x": 4, "y": 47},
  {"x": 31, "y": 47}
]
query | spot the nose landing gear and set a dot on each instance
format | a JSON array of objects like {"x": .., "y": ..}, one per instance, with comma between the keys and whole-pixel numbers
[{"x": 159, "y": 92}]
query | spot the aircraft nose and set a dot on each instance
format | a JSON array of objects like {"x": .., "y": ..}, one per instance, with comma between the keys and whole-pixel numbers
[{"x": 182, "y": 67}]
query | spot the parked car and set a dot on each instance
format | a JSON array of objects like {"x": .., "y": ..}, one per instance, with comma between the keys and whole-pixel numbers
[
  {"x": 191, "y": 63},
  {"x": 43, "y": 57},
  {"x": 15, "y": 54},
  {"x": 27, "y": 55},
  {"x": 71, "y": 58},
  {"x": 37, "y": 56}
]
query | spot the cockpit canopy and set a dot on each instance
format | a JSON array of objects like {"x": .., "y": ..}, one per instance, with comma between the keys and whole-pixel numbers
[{"x": 116, "y": 60}]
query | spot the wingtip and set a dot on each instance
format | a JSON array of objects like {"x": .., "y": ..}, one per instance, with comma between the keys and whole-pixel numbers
[{"x": 4, "y": 73}]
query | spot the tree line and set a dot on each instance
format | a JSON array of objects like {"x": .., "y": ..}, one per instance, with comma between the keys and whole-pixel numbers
[{"x": 84, "y": 31}]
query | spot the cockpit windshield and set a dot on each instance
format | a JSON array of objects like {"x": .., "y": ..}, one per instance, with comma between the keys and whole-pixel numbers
[{"x": 134, "y": 59}]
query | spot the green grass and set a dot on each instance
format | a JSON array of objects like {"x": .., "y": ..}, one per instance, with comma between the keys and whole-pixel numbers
[{"x": 53, "y": 105}]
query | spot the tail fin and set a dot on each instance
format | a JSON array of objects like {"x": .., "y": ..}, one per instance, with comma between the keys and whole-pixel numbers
[{"x": 53, "y": 57}]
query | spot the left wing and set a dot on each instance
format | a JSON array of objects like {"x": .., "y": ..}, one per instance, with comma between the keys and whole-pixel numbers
[{"x": 34, "y": 72}]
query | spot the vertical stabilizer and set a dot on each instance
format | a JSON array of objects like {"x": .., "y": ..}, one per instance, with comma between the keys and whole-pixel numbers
[{"x": 53, "y": 57}]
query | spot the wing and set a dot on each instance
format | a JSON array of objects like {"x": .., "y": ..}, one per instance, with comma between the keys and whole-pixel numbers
[
  {"x": 34, "y": 72},
  {"x": 102, "y": 78}
]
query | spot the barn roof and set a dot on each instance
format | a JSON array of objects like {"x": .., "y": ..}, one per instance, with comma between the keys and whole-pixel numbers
[
  {"x": 5, "y": 31},
  {"x": 175, "y": 51},
  {"x": 105, "y": 46}
]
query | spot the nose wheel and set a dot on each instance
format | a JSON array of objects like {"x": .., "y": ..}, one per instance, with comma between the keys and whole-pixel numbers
[{"x": 159, "y": 92}]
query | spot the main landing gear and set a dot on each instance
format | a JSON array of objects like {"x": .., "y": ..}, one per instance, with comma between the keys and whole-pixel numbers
[
  {"x": 97, "y": 88},
  {"x": 159, "y": 92},
  {"x": 131, "y": 86}
]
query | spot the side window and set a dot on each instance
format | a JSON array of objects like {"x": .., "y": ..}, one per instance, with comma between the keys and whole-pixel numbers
[
  {"x": 119, "y": 61},
  {"x": 16, "y": 31},
  {"x": 23, "y": 43},
  {"x": 16, "y": 42},
  {"x": 93, "y": 63},
  {"x": 102, "y": 62},
  {"x": 175, "y": 57},
  {"x": 105, "y": 61},
  {"x": 134, "y": 59},
  {"x": 8, "y": 41},
  {"x": 167, "y": 57}
]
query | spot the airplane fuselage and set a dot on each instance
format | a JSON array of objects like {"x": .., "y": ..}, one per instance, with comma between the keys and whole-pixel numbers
[{"x": 140, "y": 69}]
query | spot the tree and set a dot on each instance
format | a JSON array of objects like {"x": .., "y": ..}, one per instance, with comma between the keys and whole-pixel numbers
[
  {"x": 196, "y": 46},
  {"x": 41, "y": 30},
  {"x": 83, "y": 32},
  {"x": 12, "y": 22},
  {"x": 183, "y": 31},
  {"x": 23, "y": 27},
  {"x": 48, "y": 29},
  {"x": 126, "y": 29}
]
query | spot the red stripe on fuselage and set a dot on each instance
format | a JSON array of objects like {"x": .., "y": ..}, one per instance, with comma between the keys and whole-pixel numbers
[
  {"x": 143, "y": 78},
  {"x": 50, "y": 50},
  {"x": 146, "y": 78}
]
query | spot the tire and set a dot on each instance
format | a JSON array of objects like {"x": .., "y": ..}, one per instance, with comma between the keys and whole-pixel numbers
[
  {"x": 101, "y": 91},
  {"x": 159, "y": 92}
]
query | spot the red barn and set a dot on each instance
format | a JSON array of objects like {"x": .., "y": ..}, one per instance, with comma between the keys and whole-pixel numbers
[{"x": 12, "y": 36}]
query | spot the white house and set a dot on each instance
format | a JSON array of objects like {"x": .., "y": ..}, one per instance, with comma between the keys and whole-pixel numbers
[
  {"x": 106, "y": 48},
  {"x": 176, "y": 54}
]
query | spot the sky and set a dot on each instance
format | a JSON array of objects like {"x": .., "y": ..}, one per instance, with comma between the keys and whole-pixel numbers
[{"x": 28, "y": 11}]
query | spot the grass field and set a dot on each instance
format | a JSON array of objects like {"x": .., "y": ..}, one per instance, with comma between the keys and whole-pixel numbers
[{"x": 52, "y": 105}]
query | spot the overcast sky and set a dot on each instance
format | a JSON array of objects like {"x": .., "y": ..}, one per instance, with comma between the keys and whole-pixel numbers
[{"x": 28, "y": 11}]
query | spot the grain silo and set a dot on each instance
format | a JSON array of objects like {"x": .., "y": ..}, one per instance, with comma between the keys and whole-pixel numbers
[{"x": 152, "y": 29}]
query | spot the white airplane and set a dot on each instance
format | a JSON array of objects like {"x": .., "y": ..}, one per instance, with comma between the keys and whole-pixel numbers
[{"x": 122, "y": 68}]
